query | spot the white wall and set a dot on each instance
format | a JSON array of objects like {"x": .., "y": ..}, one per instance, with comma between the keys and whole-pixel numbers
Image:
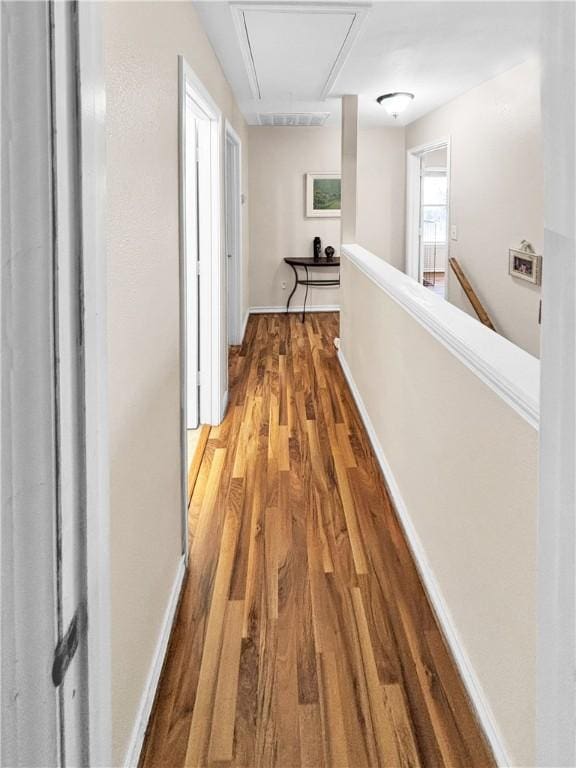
[
  {"x": 142, "y": 42},
  {"x": 496, "y": 192},
  {"x": 381, "y": 193},
  {"x": 279, "y": 160},
  {"x": 465, "y": 465}
]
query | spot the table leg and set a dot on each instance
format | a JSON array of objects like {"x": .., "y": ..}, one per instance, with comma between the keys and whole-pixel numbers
[{"x": 293, "y": 289}]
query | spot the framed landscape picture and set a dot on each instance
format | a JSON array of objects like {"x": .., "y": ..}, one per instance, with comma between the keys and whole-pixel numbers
[{"x": 323, "y": 194}]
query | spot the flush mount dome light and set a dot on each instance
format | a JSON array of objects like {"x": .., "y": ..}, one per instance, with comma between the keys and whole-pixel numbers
[{"x": 395, "y": 103}]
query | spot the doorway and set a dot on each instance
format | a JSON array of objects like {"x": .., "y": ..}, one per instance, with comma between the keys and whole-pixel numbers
[
  {"x": 428, "y": 208},
  {"x": 197, "y": 215},
  {"x": 200, "y": 270},
  {"x": 233, "y": 171}
]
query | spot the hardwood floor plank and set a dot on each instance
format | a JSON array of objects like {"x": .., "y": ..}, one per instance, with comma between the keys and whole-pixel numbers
[
  {"x": 383, "y": 726},
  {"x": 202, "y": 714},
  {"x": 304, "y": 636},
  {"x": 224, "y": 715},
  {"x": 350, "y": 514},
  {"x": 283, "y": 448},
  {"x": 337, "y": 750},
  {"x": 311, "y": 752},
  {"x": 344, "y": 446},
  {"x": 196, "y": 460},
  {"x": 396, "y": 709}
]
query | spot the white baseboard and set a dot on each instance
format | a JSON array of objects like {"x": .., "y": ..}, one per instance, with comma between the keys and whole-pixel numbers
[
  {"x": 224, "y": 406},
  {"x": 244, "y": 324},
  {"x": 147, "y": 700},
  {"x": 295, "y": 308},
  {"x": 476, "y": 694}
]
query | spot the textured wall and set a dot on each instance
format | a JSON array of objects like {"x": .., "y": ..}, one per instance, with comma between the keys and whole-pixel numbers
[
  {"x": 496, "y": 192},
  {"x": 279, "y": 160},
  {"x": 466, "y": 465},
  {"x": 381, "y": 193},
  {"x": 142, "y": 43}
]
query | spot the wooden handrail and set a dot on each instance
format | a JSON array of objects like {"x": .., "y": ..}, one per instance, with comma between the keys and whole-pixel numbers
[{"x": 483, "y": 316}]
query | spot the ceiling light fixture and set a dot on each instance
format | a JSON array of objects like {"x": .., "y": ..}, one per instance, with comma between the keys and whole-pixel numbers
[{"x": 395, "y": 103}]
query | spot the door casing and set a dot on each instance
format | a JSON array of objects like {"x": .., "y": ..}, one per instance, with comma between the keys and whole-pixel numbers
[
  {"x": 234, "y": 255},
  {"x": 213, "y": 373},
  {"x": 54, "y": 385},
  {"x": 413, "y": 264}
]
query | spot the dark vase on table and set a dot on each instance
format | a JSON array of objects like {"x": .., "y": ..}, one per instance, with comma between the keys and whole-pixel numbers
[{"x": 317, "y": 248}]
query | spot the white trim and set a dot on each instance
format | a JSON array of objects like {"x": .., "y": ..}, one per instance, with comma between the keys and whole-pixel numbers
[
  {"x": 413, "y": 267},
  {"x": 147, "y": 700},
  {"x": 508, "y": 370},
  {"x": 473, "y": 686},
  {"x": 293, "y": 308},
  {"x": 238, "y": 282},
  {"x": 224, "y": 405},
  {"x": 412, "y": 258},
  {"x": 210, "y": 269},
  {"x": 29, "y": 722},
  {"x": 244, "y": 324},
  {"x": 93, "y": 180},
  {"x": 231, "y": 132},
  {"x": 210, "y": 299},
  {"x": 359, "y": 10},
  {"x": 183, "y": 308},
  {"x": 556, "y": 651},
  {"x": 198, "y": 90}
]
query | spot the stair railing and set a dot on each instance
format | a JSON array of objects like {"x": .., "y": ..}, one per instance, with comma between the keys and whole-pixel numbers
[{"x": 477, "y": 305}]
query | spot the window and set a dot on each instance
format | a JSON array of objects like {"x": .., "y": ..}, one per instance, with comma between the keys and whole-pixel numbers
[{"x": 434, "y": 207}]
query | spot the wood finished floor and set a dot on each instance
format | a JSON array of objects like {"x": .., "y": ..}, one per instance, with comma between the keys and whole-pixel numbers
[{"x": 304, "y": 637}]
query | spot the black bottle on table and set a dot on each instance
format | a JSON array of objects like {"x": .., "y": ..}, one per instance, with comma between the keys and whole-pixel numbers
[{"x": 317, "y": 248}]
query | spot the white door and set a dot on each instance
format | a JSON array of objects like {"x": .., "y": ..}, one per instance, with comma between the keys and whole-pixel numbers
[
  {"x": 233, "y": 235},
  {"x": 192, "y": 265},
  {"x": 198, "y": 227}
]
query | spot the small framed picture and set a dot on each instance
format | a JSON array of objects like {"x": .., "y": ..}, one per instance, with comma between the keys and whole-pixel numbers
[
  {"x": 526, "y": 266},
  {"x": 323, "y": 195}
]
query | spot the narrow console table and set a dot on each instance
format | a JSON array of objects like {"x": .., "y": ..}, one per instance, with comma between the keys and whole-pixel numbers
[{"x": 309, "y": 263}]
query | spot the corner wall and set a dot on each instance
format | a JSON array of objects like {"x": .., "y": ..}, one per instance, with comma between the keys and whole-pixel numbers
[
  {"x": 496, "y": 192},
  {"x": 142, "y": 42},
  {"x": 380, "y": 226},
  {"x": 279, "y": 160}
]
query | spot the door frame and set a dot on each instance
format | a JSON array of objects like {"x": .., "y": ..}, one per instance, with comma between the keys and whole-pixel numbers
[
  {"x": 92, "y": 119},
  {"x": 80, "y": 173},
  {"x": 413, "y": 165},
  {"x": 556, "y": 572},
  {"x": 211, "y": 278},
  {"x": 234, "y": 286}
]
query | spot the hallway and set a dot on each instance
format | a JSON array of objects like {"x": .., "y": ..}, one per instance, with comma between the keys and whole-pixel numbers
[{"x": 304, "y": 637}]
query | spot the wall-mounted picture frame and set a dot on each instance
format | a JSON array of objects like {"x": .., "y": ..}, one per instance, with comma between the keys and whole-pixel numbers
[
  {"x": 524, "y": 265},
  {"x": 323, "y": 195}
]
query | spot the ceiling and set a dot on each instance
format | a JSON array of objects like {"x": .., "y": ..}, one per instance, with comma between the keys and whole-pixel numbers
[{"x": 301, "y": 57}]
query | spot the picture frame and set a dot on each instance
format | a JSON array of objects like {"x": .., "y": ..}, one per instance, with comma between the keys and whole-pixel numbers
[
  {"x": 525, "y": 265},
  {"x": 323, "y": 195}
]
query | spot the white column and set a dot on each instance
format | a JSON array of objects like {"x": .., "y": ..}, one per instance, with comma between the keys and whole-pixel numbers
[
  {"x": 556, "y": 661},
  {"x": 349, "y": 167}
]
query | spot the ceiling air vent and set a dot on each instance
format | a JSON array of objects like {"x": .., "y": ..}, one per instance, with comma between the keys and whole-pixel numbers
[{"x": 293, "y": 119}]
